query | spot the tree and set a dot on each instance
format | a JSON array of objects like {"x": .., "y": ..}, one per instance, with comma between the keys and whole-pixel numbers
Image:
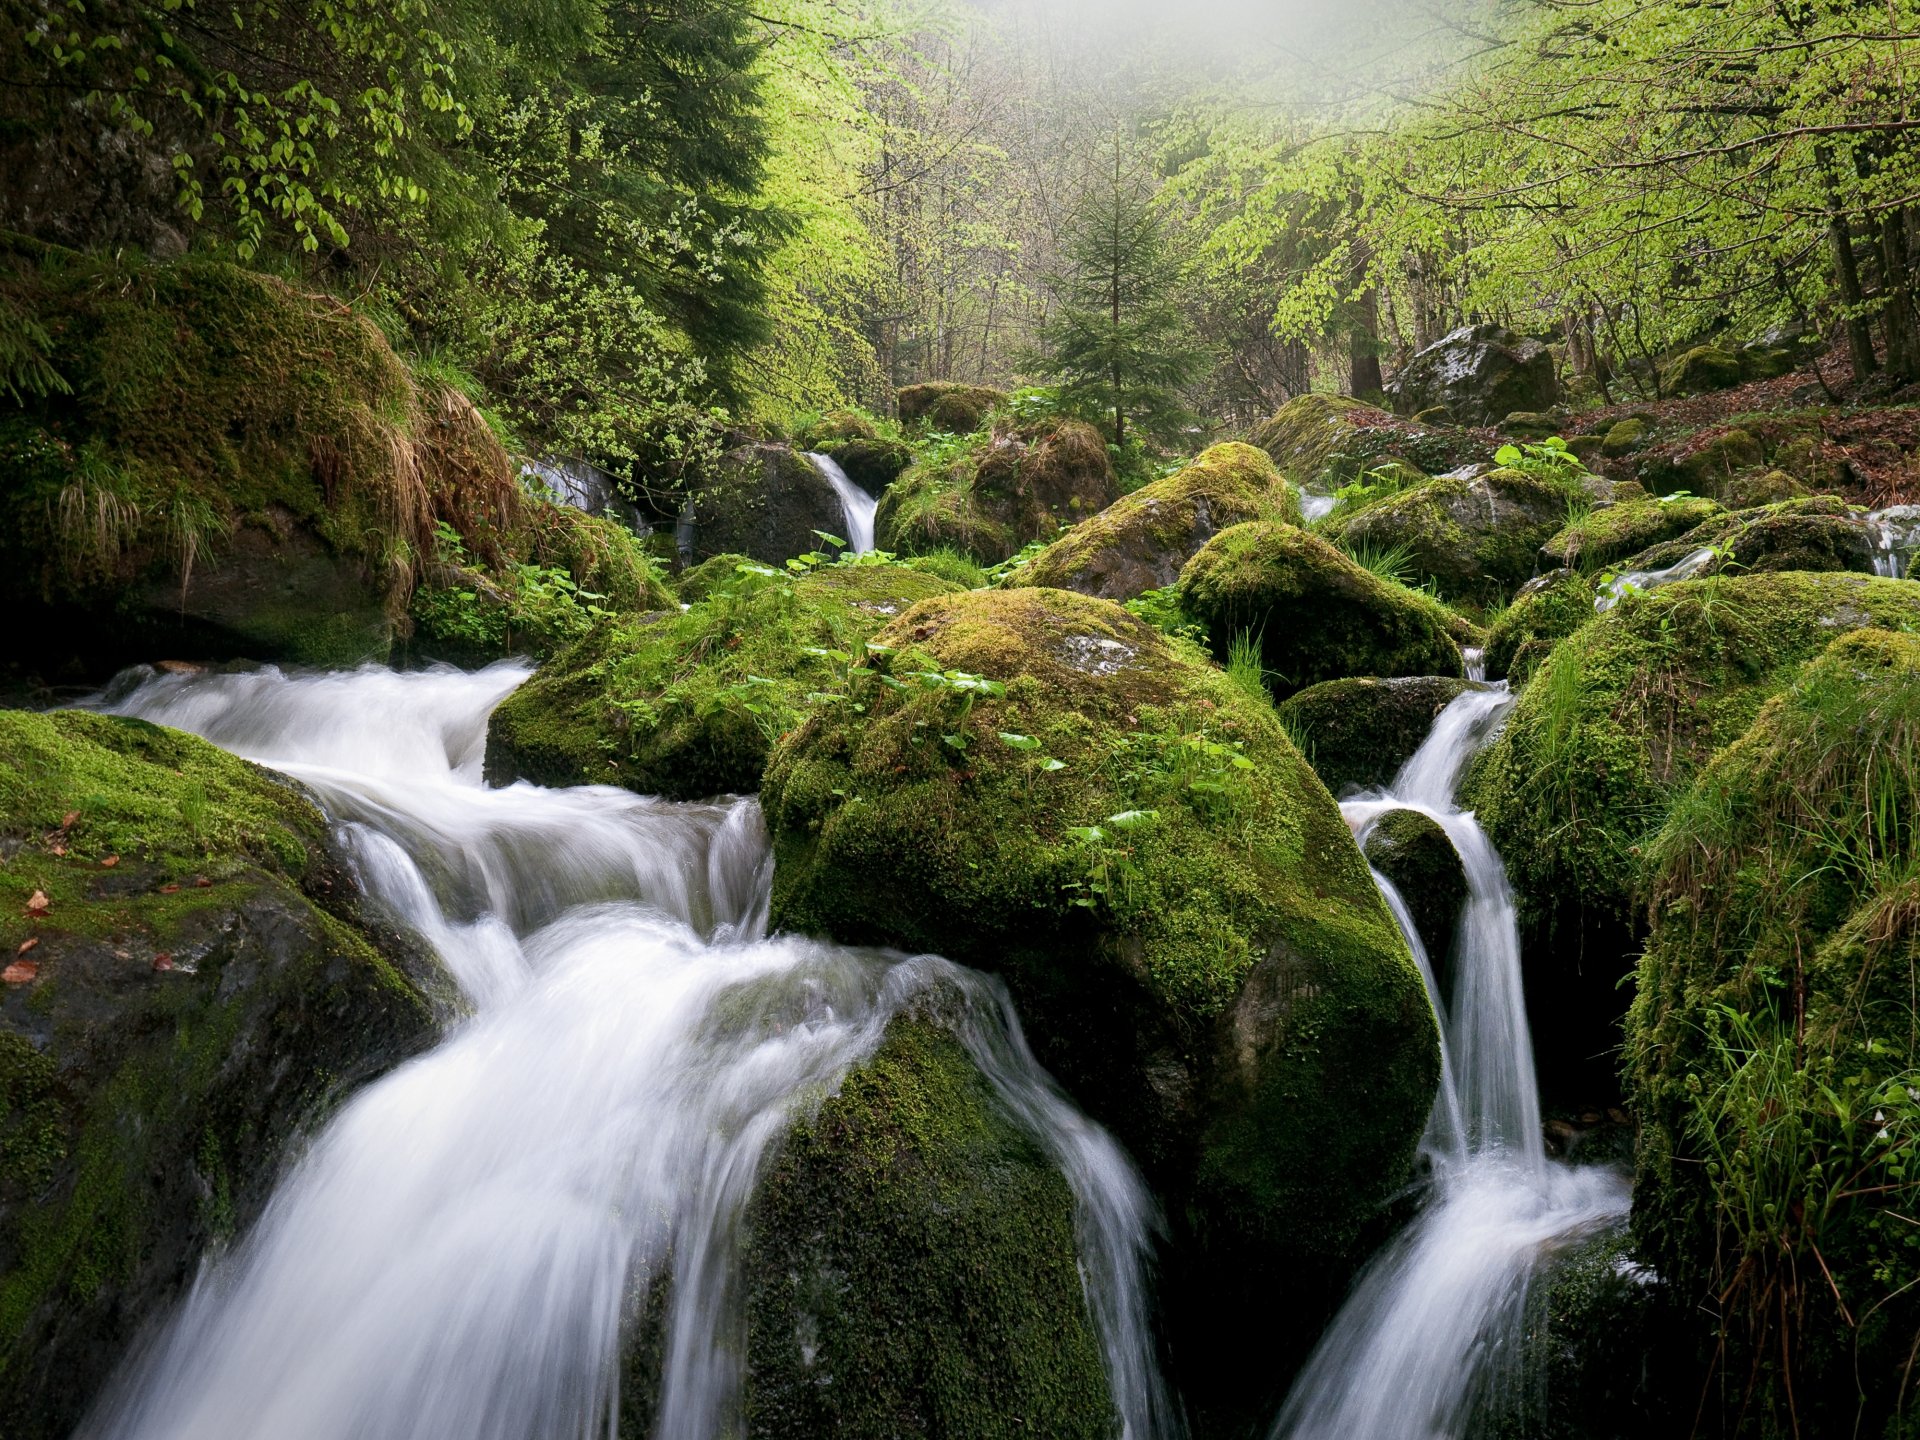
[{"x": 1118, "y": 342}]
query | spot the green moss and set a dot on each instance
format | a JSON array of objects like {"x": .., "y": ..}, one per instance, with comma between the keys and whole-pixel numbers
[
  {"x": 1359, "y": 732},
  {"x": 1125, "y": 822},
  {"x": 1602, "y": 538},
  {"x": 1548, "y": 608},
  {"x": 1318, "y": 614},
  {"x": 1624, "y": 436},
  {"x": 1141, "y": 541},
  {"x": 1624, "y": 713},
  {"x": 1774, "y": 1042},
  {"x": 687, "y": 704},
  {"x": 911, "y": 1267},
  {"x": 1412, "y": 850},
  {"x": 947, "y": 406},
  {"x": 1705, "y": 367},
  {"x": 1324, "y": 442},
  {"x": 933, "y": 507},
  {"x": 1818, "y": 534}
]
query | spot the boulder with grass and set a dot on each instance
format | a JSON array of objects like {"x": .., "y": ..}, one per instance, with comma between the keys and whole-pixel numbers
[
  {"x": 1480, "y": 373},
  {"x": 1548, "y": 608},
  {"x": 1045, "y": 787},
  {"x": 189, "y": 984},
  {"x": 1608, "y": 534},
  {"x": 1820, "y": 533},
  {"x": 1772, "y": 1048},
  {"x": 687, "y": 704},
  {"x": 1474, "y": 538},
  {"x": 1359, "y": 732},
  {"x": 1143, "y": 540},
  {"x": 1323, "y": 442},
  {"x": 947, "y": 406},
  {"x": 1315, "y": 612}
]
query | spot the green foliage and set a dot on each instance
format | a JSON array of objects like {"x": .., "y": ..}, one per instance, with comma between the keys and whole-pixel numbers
[{"x": 1548, "y": 459}]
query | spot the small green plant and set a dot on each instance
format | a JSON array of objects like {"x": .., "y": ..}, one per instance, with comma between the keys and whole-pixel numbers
[
  {"x": 1034, "y": 402},
  {"x": 952, "y": 564},
  {"x": 1392, "y": 563},
  {"x": 1548, "y": 459},
  {"x": 998, "y": 574},
  {"x": 1243, "y": 664},
  {"x": 1110, "y": 872},
  {"x": 1161, "y": 609}
]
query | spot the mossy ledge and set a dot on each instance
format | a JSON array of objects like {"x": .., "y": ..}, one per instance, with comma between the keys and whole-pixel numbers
[{"x": 201, "y": 987}]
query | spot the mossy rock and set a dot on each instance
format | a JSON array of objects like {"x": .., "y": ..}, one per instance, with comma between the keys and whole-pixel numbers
[
  {"x": 1754, "y": 488},
  {"x": 1703, "y": 368},
  {"x": 1323, "y": 442},
  {"x": 687, "y": 704},
  {"x": 197, "y": 988},
  {"x": 910, "y": 1266},
  {"x": 1548, "y": 608},
  {"x": 1774, "y": 1015},
  {"x": 1412, "y": 850},
  {"x": 1603, "y": 537},
  {"x": 1183, "y": 919},
  {"x": 1480, "y": 373},
  {"x": 1359, "y": 732},
  {"x": 1817, "y": 534},
  {"x": 1315, "y": 612},
  {"x": 873, "y": 465},
  {"x": 1703, "y": 464},
  {"x": 1475, "y": 538},
  {"x": 1530, "y": 425},
  {"x": 1624, "y": 437},
  {"x": 836, "y": 427},
  {"x": 769, "y": 502},
  {"x": 1613, "y": 728},
  {"x": 1143, "y": 540},
  {"x": 944, "y": 405},
  {"x": 1006, "y": 488},
  {"x": 233, "y": 467}
]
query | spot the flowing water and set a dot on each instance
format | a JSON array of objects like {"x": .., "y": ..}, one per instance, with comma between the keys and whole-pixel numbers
[
  {"x": 455, "y": 1255},
  {"x": 1896, "y": 533},
  {"x": 1635, "y": 581},
  {"x": 1436, "y": 1320},
  {"x": 855, "y": 503}
]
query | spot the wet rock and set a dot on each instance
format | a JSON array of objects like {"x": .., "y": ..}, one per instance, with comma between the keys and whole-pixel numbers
[
  {"x": 1818, "y": 534},
  {"x": 1606, "y": 536},
  {"x": 1547, "y": 609},
  {"x": 1359, "y": 732},
  {"x": 1413, "y": 851},
  {"x": 1480, "y": 373},
  {"x": 766, "y": 501}
]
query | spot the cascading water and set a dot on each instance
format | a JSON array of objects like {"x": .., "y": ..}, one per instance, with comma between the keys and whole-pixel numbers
[
  {"x": 855, "y": 503},
  {"x": 1896, "y": 532},
  {"x": 453, "y": 1257},
  {"x": 1424, "y": 1335},
  {"x": 1635, "y": 581}
]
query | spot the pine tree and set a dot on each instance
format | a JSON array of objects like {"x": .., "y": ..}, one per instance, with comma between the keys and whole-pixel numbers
[{"x": 1117, "y": 342}]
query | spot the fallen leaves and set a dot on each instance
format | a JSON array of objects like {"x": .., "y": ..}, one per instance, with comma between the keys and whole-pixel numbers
[
  {"x": 38, "y": 905},
  {"x": 20, "y": 972},
  {"x": 169, "y": 889},
  {"x": 163, "y": 961},
  {"x": 109, "y": 862},
  {"x": 27, "y": 944}
]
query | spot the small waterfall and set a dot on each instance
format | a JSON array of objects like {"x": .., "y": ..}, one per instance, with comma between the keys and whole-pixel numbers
[
  {"x": 855, "y": 503},
  {"x": 1422, "y": 1339},
  {"x": 1896, "y": 532},
  {"x": 1315, "y": 507},
  {"x": 1634, "y": 581},
  {"x": 454, "y": 1255}
]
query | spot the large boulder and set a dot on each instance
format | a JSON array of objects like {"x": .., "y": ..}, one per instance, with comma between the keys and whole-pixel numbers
[
  {"x": 1359, "y": 732},
  {"x": 688, "y": 703},
  {"x": 1480, "y": 373},
  {"x": 1547, "y": 609},
  {"x": 1608, "y": 534},
  {"x": 1821, "y": 533},
  {"x": 767, "y": 501},
  {"x": 1005, "y": 489},
  {"x": 1048, "y": 788},
  {"x": 187, "y": 985},
  {"x": 910, "y": 1265},
  {"x": 1324, "y": 442},
  {"x": 1772, "y": 1049},
  {"x": 1315, "y": 613},
  {"x": 1703, "y": 368},
  {"x": 1612, "y": 729},
  {"x": 1143, "y": 540},
  {"x": 945, "y": 405},
  {"x": 1475, "y": 537}
]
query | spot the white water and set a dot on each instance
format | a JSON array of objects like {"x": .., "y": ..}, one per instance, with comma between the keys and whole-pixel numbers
[
  {"x": 855, "y": 503},
  {"x": 1635, "y": 581},
  {"x": 1435, "y": 1321},
  {"x": 1896, "y": 532},
  {"x": 455, "y": 1255},
  {"x": 1315, "y": 507}
]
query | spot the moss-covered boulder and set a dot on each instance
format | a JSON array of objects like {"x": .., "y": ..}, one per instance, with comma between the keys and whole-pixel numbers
[
  {"x": 945, "y": 405},
  {"x": 1475, "y": 538},
  {"x": 910, "y": 1266},
  {"x": 835, "y": 427},
  {"x": 1143, "y": 540},
  {"x": 216, "y": 461},
  {"x": 767, "y": 501},
  {"x": 1761, "y": 487},
  {"x": 1705, "y": 463},
  {"x": 1359, "y": 732},
  {"x": 873, "y": 465},
  {"x": 1625, "y": 436},
  {"x": 1548, "y": 608},
  {"x": 1703, "y": 368},
  {"x": 1603, "y": 537},
  {"x": 1322, "y": 442},
  {"x": 1412, "y": 850},
  {"x": 688, "y": 703},
  {"x": 1003, "y": 489},
  {"x": 1480, "y": 373},
  {"x": 1048, "y": 788},
  {"x": 1772, "y": 1047},
  {"x": 186, "y": 985},
  {"x": 1315, "y": 612},
  {"x": 1819, "y": 534}
]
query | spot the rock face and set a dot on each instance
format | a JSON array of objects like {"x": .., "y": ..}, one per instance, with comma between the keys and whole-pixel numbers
[
  {"x": 1359, "y": 732},
  {"x": 1480, "y": 373},
  {"x": 1548, "y": 608},
  {"x": 189, "y": 988},
  {"x": 1007, "y": 488},
  {"x": 1474, "y": 538},
  {"x": 688, "y": 704},
  {"x": 944, "y": 405},
  {"x": 1818, "y": 534},
  {"x": 765, "y": 501},
  {"x": 1608, "y": 535},
  {"x": 1413, "y": 851},
  {"x": 1182, "y": 917},
  {"x": 910, "y": 1266},
  {"x": 1774, "y": 1014},
  {"x": 1316, "y": 614},
  {"x": 1142, "y": 540}
]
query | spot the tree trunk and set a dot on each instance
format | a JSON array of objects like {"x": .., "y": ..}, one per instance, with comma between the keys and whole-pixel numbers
[
  {"x": 1846, "y": 275},
  {"x": 1900, "y": 325}
]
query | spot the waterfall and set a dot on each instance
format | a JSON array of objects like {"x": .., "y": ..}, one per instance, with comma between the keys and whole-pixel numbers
[
  {"x": 1896, "y": 535},
  {"x": 855, "y": 503},
  {"x": 453, "y": 1256},
  {"x": 1423, "y": 1336},
  {"x": 1635, "y": 581}
]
